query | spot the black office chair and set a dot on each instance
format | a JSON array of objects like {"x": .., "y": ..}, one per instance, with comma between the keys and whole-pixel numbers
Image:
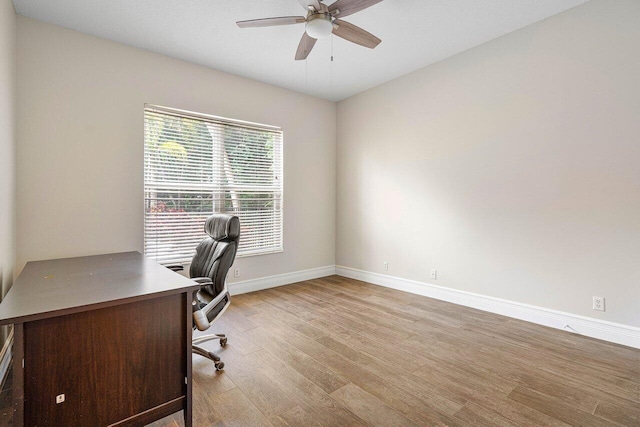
[{"x": 209, "y": 266}]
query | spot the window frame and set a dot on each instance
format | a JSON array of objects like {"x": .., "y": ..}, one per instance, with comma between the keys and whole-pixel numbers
[{"x": 214, "y": 188}]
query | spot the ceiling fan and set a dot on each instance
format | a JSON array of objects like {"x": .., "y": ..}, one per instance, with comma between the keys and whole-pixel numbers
[{"x": 321, "y": 21}]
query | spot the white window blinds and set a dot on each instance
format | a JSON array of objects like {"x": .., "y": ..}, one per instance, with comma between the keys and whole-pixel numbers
[{"x": 195, "y": 165}]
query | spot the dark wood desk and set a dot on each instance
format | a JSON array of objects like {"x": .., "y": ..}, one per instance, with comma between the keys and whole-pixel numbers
[{"x": 112, "y": 333}]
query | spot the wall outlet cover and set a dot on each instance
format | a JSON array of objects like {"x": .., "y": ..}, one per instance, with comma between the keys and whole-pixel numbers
[{"x": 598, "y": 303}]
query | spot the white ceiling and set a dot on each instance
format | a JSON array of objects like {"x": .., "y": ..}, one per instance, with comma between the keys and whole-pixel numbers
[{"x": 414, "y": 33}]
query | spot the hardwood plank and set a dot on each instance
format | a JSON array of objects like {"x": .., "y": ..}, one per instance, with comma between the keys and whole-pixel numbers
[
  {"x": 556, "y": 364},
  {"x": 550, "y": 406},
  {"x": 234, "y": 316},
  {"x": 475, "y": 415},
  {"x": 384, "y": 350},
  {"x": 267, "y": 396},
  {"x": 303, "y": 362},
  {"x": 295, "y": 417},
  {"x": 518, "y": 413},
  {"x": 368, "y": 407},
  {"x": 405, "y": 403},
  {"x": 309, "y": 396},
  {"x": 621, "y": 415},
  {"x": 393, "y": 375},
  {"x": 562, "y": 392},
  {"x": 204, "y": 411},
  {"x": 237, "y": 340},
  {"x": 575, "y": 348},
  {"x": 237, "y": 410}
]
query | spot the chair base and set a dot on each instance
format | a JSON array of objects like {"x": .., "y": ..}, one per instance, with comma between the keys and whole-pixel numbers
[{"x": 219, "y": 364}]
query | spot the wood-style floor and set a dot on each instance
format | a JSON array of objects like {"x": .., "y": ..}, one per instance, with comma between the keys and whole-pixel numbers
[{"x": 339, "y": 352}]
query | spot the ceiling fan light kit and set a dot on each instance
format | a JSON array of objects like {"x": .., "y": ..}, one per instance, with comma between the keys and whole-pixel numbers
[
  {"x": 319, "y": 25},
  {"x": 322, "y": 21}
]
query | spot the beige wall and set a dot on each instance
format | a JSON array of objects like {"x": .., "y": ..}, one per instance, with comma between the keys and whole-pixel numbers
[
  {"x": 7, "y": 143},
  {"x": 513, "y": 168},
  {"x": 80, "y": 146}
]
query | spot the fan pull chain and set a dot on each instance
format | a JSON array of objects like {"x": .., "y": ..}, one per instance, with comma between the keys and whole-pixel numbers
[
  {"x": 332, "y": 48},
  {"x": 306, "y": 79},
  {"x": 331, "y": 69}
]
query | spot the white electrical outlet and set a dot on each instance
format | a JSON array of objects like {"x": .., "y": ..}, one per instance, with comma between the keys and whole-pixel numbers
[
  {"x": 386, "y": 266},
  {"x": 598, "y": 303},
  {"x": 434, "y": 274},
  {"x": 60, "y": 398},
  {"x": 236, "y": 272}
]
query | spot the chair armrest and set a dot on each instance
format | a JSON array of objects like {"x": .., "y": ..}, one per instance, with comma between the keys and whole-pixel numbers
[
  {"x": 199, "y": 316},
  {"x": 175, "y": 268},
  {"x": 202, "y": 280}
]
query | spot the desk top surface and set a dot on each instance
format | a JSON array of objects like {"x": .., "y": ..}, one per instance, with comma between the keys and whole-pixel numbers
[{"x": 71, "y": 285}]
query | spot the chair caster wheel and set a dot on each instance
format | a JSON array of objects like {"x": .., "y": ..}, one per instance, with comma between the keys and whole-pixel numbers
[
  {"x": 219, "y": 366},
  {"x": 223, "y": 342}
]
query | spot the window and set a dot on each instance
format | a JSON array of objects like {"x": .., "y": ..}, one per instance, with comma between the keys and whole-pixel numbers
[{"x": 195, "y": 165}]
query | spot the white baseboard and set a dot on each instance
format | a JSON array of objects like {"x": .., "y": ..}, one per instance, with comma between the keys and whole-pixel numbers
[
  {"x": 252, "y": 285},
  {"x": 595, "y": 328}
]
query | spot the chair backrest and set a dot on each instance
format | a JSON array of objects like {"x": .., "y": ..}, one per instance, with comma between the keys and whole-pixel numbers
[{"x": 216, "y": 253}]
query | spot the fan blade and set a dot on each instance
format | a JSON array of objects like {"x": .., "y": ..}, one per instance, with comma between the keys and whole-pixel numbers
[
  {"x": 348, "y": 7},
  {"x": 355, "y": 34},
  {"x": 268, "y": 22},
  {"x": 305, "y": 46},
  {"x": 307, "y": 3}
]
